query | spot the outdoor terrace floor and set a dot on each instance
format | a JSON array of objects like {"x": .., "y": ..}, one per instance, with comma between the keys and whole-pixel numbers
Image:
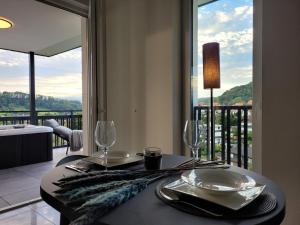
[
  {"x": 35, "y": 214},
  {"x": 21, "y": 184}
]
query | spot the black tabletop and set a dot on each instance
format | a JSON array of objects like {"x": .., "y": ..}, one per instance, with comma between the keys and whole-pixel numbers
[{"x": 147, "y": 209}]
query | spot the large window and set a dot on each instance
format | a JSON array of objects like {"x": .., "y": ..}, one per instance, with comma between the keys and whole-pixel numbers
[
  {"x": 14, "y": 81},
  {"x": 59, "y": 77},
  {"x": 58, "y": 81},
  {"x": 230, "y": 23}
]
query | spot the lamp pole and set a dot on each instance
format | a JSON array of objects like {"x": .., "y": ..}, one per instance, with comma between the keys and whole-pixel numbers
[
  {"x": 211, "y": 80},
  {"x": 33, "y": 116},
  {"x": 212, "y": 130}
]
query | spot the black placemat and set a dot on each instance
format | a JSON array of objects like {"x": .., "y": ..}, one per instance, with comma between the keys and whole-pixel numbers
[{"x": 263, "y": 204}]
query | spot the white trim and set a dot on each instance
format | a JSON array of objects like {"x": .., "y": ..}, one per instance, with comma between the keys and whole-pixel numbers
[
  {"x": 20, "y": 205},
  {"x": 85, "y": 86},
  {"x": 95, "y": 79},
  {"x": 257, "y": 86},
  {"x": 194, "y": 70}
]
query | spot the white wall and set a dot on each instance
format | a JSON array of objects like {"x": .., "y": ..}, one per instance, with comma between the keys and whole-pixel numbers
[
  {"x": 281, "y": 99},
  {"x": 143, "y": 72}
]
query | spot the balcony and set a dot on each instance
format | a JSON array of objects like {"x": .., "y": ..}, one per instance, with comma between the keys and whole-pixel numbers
[
  {"x": 233, "y": 133},
  {"x": 233, "y": 129},
  {"x": 71, "y": 119},
  {"x": 21, "y": 184}
]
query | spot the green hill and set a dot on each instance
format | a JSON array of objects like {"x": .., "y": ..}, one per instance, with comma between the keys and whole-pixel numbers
[
  {"x": 237, "y": 95},
  {"x": 18, "y": 101}
]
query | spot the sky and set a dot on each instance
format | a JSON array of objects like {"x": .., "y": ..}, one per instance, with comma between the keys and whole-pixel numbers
[
  {"x": 59, "y": 76},
  {"x": 229, "y": 22}
]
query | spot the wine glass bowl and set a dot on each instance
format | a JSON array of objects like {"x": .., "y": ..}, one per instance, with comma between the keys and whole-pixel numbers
[
  {"x": 105, "y": 136},
  {"x": 194, "y": 136}
]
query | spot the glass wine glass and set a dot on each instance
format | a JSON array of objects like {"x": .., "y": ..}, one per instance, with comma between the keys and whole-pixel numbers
[
  {"x": 193, "y": 136},
  {"x": 105, "y": 137}
]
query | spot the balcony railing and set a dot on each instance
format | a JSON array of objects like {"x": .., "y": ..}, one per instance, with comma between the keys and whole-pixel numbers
[
  {"x": 233, "y": 129},
  {"x": 233, "y": 133},
  {"x": 71, "y": 119}
]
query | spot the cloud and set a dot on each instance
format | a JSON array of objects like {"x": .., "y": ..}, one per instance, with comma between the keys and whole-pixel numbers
[
  {"x": 240, "y": 72},
  {"x": 65, "y": 61},
  {"x": 230, "y": 25},
  {"x": 9, "y": 63},
  {"x": 60, "y": 85},
  {"x": 243, "y": 11},
  {"x": 238, "y": 13},
  {"x": 225, "y": 14},
  {"x": 11, "y": 84},
  {"x": 230, "y": 42},
  {"x": 58, "y": 76},
  {"x": 12, "y": 59},
  {"x": 223, "y": 17}
]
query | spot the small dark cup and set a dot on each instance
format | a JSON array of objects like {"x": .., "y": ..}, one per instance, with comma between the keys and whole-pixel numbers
[{"x": 152, "y": 158}]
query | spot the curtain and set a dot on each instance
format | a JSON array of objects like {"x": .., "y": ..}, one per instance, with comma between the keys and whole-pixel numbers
[
  {"x": 96, "y": 103},
  {"x": 93, "y": 62},
  {"x": 186, "y": 63}
]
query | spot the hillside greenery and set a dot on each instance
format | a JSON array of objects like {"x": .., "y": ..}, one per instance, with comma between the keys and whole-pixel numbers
[
  {"x": 18, "y": 101},
  {"x": 237, "y": 95}
]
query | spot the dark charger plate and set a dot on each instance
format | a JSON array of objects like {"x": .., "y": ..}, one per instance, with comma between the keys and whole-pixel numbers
[
  {"x": 263, "y": 204},
  {"x": 121, "y": 160}
]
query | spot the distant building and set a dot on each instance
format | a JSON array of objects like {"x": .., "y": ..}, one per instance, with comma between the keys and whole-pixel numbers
[
  {"x": 239, "y": 104},
  {"x": 202, "y": 104}
]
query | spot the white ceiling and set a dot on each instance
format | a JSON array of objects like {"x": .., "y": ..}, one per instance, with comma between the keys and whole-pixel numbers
[{"x": 39, "y": 28}]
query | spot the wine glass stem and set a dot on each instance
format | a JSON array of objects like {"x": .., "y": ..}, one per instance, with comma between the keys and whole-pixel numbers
[
  {"x": 105, "y": 158},
  {"x": 195, "y": 156}
]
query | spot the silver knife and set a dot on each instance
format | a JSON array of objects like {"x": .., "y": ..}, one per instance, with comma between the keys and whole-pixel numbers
[
  {"x": 74, "y": 168},
  {"x": 171, "y": 196}
]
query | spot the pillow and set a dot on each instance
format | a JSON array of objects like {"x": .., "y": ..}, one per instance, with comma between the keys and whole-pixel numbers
[
  {"x": 51, "y": 123},
  {"x": 64, "y": 132}
]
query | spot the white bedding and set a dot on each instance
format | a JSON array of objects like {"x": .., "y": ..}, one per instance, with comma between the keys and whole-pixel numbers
[{"x": 9, "y": 130}]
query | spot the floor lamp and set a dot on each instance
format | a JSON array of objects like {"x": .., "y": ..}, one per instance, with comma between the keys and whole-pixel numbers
[{"x": 211, "y": 80}]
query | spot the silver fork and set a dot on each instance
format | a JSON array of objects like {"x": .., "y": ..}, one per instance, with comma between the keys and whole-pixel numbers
[{"x": 201, "y": 163}]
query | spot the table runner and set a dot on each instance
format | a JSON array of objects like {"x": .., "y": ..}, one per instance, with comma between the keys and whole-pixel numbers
[{"x": 94, "y": 194}]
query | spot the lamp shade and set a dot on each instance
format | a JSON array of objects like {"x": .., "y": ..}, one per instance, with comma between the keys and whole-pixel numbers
[{"x": 211, "y": 65}]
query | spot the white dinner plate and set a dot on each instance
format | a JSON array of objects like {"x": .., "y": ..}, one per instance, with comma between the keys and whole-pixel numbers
[
  {"x": 231, "y": 200},
  {"x": 218, "y": 180}
]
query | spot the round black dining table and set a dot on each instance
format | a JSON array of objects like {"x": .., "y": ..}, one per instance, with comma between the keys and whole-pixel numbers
[{"x": 147, "y": 209}]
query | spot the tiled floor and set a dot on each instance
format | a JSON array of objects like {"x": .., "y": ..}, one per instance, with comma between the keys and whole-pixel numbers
[
  {"x": 21, "y": 184},
  {"x": 36, "y": 214}
]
